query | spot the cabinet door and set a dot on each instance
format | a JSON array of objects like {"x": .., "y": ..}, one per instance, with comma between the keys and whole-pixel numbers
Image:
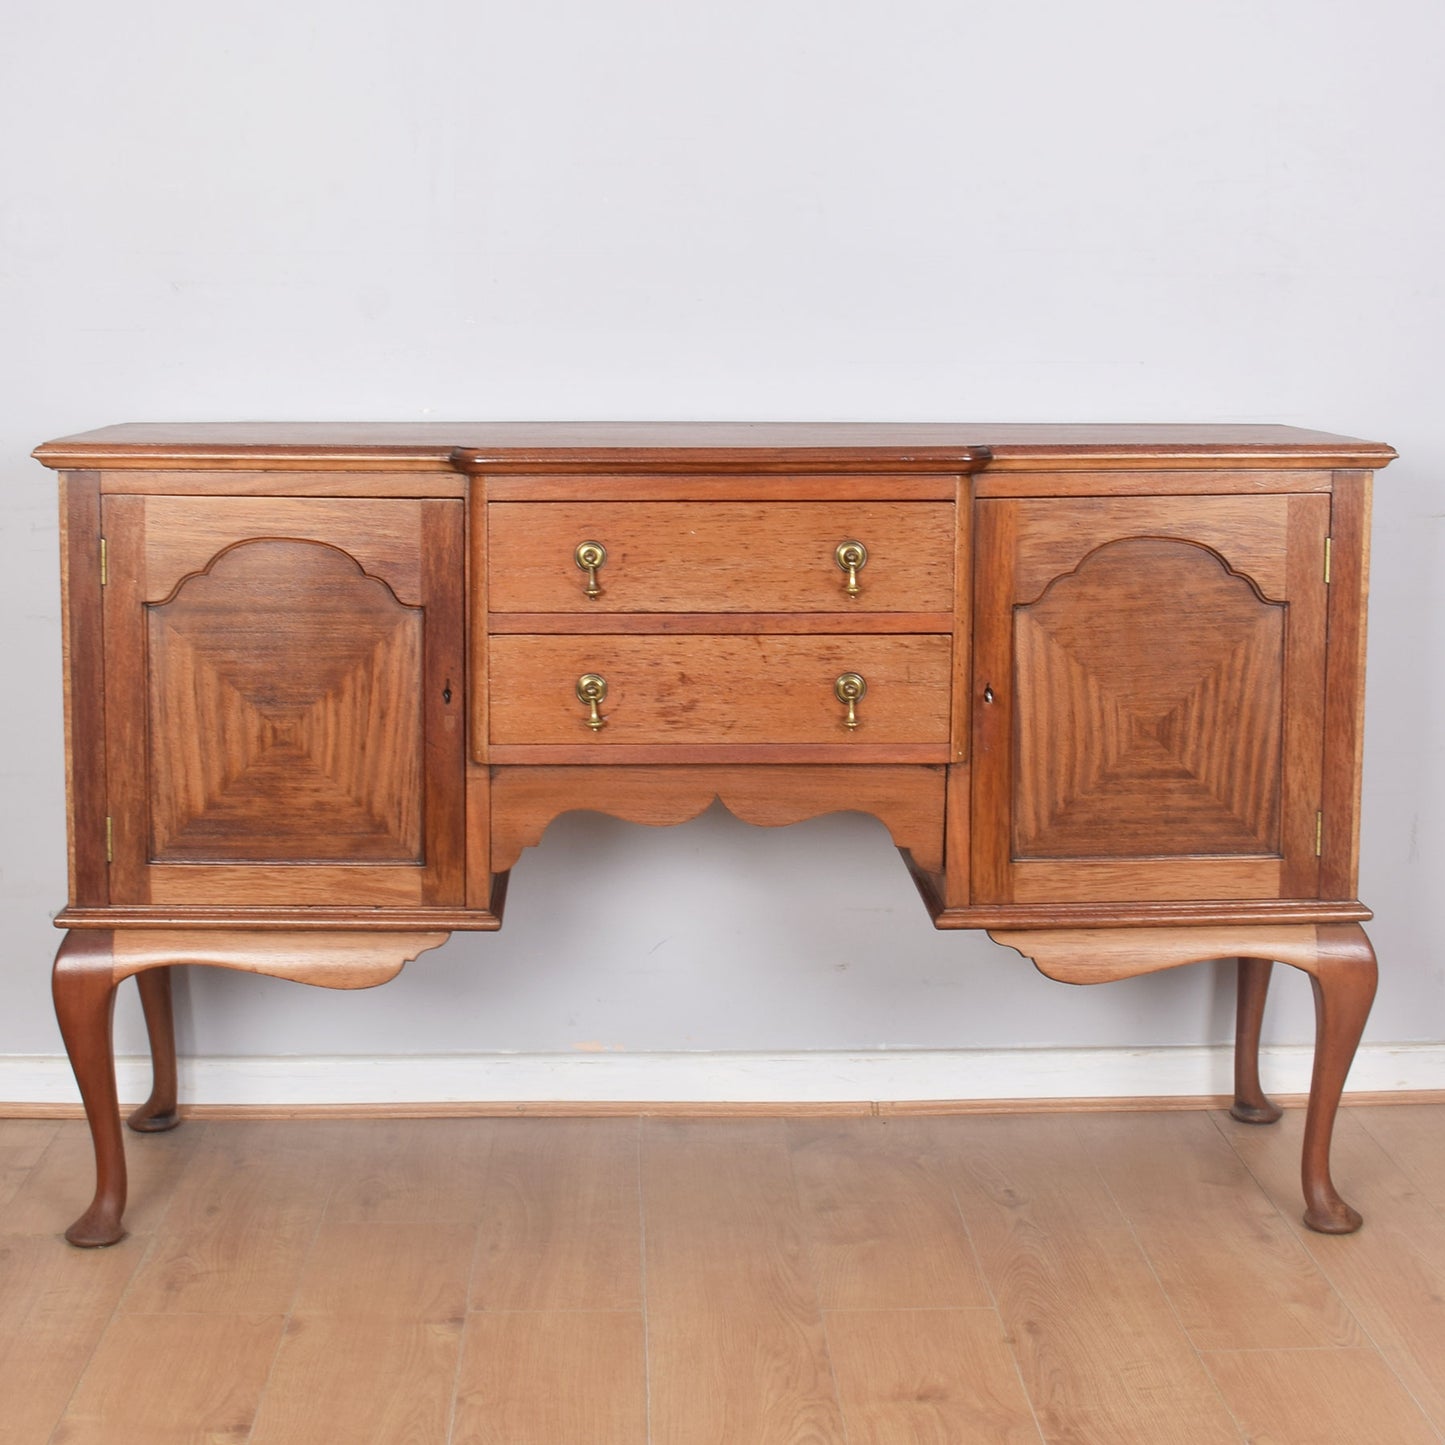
[
  {"x": 1148, "y": 705},
  {"x": 284, "y": 700}
]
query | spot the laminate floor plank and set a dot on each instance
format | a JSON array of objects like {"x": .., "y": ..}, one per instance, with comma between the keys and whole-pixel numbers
[
  {"x": 736, "y": 1349},
  {"x": 55, "y": 1304},
  {"x": 173, "y": 1380},
  {"x": 22, "y": 1143},
  {"x": 1413, "y": 1135},
  {"x": 880, "y": 1225},
  {"x": 360, "y": 1380},
  {"x": 62, "y": 1181},
  {"x": 1319, "y": 1397},
  {"x": 1103, "y": 1356},
  {"x": 554, "y": 1378},
  {"x": 388, "y": 1271},
  {"x": 722, "y": 1219},
  {"x": 724, "y": 1376},
  {"x": 561, "y": 1217},
  {"x": 928, "y": 1377},
  {"x": 241, "y": 1222},
  {"x": 422, "y": 1171},
  {"x": 373, "y": 1313},
  {"x": 1233, "y": 1267},
  {"x": 1392, "y": 1272}
]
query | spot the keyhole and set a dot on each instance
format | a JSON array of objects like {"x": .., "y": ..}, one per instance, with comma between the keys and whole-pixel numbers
[
  {"x": 447, "y": 691},
  {"x": 987, "y": 693}
]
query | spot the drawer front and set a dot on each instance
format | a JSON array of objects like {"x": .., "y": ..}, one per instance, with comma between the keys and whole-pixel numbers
[
  {"x": 720, "y": 556},
  {"x": 719, "y": 690}
]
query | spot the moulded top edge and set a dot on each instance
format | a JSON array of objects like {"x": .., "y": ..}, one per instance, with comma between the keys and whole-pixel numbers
[{"x": 722, "y": 446}]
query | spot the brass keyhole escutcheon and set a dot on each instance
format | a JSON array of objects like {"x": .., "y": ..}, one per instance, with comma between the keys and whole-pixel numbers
[
  {"x": 589, "y": 556},
  {"x": 592, "y": 690},
  {"x": 850, "y": 690},
  {"x": 852, "y": 557}
]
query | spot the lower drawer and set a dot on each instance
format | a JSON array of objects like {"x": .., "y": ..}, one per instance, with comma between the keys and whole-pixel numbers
[{"x": 746, "y": 690}]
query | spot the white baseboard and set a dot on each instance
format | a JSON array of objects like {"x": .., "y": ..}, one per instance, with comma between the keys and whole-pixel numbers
[{"x": 813, "y": 1077}]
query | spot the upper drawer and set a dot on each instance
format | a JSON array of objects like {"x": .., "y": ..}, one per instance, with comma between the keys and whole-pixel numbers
[{"x": 720, "y": 556}]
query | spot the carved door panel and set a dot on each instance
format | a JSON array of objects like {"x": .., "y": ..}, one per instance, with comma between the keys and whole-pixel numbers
[
  {"x": 1149, "y": 695},
  {"x": 284, "y": 700}
]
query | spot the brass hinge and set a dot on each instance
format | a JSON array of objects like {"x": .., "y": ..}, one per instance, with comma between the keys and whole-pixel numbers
[
  {"x": 1319, "y": 833},
  {"x": 109, "y": 840},
  {"x": 1328, "y": 541},
  {"x": 104, "y": 564}
]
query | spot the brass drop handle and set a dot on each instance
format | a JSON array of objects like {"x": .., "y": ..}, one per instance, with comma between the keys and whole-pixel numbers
[
  {"x": 589, "y": 556},
  {"x": 850, "y": 689},
  {"x": 852, "y": 557},
  {"x": 592, "y": 690}
]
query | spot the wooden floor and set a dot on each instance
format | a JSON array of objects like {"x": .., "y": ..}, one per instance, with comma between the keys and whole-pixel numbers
[{"x": 1076, "y": 1279}]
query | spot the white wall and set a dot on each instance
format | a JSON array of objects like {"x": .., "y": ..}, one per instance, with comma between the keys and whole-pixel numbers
[{"x": 828, "y": 209}]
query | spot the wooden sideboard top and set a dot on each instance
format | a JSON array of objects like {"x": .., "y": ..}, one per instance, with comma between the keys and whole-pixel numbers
[{"x": 751, "y": 446}]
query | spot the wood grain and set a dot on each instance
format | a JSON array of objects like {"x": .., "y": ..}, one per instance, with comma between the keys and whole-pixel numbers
[
  {"x": 1414, "y": 1137},
  {"x": 22, "y": 1144},
  {"x": 47, "y": 1198},
  {"x": 283, "y": 703},
  {"x": 561, "y": 1219},
  {"x": 1203, "y": 481},
  {"x": 290, "y": 482},
  {"x": 724, "y": 624},
  {"x": 1250, "y": 534},
  {"x": 273, "y": 742},
  {"x": 602, "y": 484},
  {"x": 184, "y": 535},
  {"x": 55, "y": 1304},
  {"x": 83, "y": 659},
  {"x": 1344, "y": 684},
  {"x": 1106, "y": 1239},
  {"x": 240, "y": 1223},
  {"x": 1319, "y": 1397},
  {"x": 928, "y": 1377},
  {"x": 720, "y": 556},
  {"x": 728, "y": 690},
  {"x": 907, "y": 800},
  {"x": 724, "y": 1225},
  {"x": 387, "y": 1271},
  {"x": 424, "y": 1173},
  {"x": 762, "y": 1375},
  {"x": 880, "y": 1227},
  {"x": 1392, "y": 1273},
  {"x": 362, "y": 1379},
  {"x": 1123, "y": 747},
  {"x": 173, "y": 1380},
  {"x": 575, "y": 1378},
  {"x": 1233, "y": 1268},
  {"x": 707, "y": 446},
  {"x": 329, "y": 960},
  {"x": 1098, "y": 746},
  {"x": 1102, "y": 1354}
]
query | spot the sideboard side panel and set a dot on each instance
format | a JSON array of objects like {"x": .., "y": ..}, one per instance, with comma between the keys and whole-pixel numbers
[{"x": 84, "y": 675}]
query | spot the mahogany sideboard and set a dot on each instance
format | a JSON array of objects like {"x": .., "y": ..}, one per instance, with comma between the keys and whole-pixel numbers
[{"x": 325, "y": 683}]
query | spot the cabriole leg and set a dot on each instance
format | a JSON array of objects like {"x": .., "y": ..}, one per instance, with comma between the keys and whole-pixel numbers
[
  {"x": 1341, "y": 965},
  {"x": 1251, "y": 1106},
  {"x": 159, "y": 1112},
  {"x": 84, "y": 989},
  {"x": 1344, "y": 976}
]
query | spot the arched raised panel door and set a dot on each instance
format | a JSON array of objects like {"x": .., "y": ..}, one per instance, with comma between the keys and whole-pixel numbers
[
  {"x": 1149, "y": 698},
  {"x": 284, "y": 701}
]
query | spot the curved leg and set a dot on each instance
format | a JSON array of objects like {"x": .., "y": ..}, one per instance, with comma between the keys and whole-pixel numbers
[
  {"x": 159, "y": 1112},
  {"x": 1250, "y": 1104},
  {"x": 1341, "y": 965},
  {"x": 84, "y": 989},
  {"x": 1344, "y": 975}
]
